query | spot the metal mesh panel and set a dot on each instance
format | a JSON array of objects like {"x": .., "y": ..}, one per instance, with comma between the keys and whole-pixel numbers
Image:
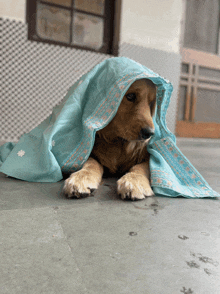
[{"x": 35, "y": 77}]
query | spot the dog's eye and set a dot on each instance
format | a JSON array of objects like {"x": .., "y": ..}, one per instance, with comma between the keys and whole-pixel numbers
[{"x": 131, "y": 97}]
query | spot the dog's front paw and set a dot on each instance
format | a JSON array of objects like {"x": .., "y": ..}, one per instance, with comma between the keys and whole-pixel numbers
[
  {"x": 134, "y": 186},
  {"x": 80, "y": 184}
]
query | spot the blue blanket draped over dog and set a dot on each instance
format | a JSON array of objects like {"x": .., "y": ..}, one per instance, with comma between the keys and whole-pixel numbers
[{"x": 64, "y": 141}]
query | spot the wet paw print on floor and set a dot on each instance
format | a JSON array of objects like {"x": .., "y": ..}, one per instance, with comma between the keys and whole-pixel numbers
[
  {"x": 208, "y": 260},
  {"x": 209, "y": 272},
  {"x": 185, "y": 291},
  {"x": 203, "y": 259},
  {"x": 133, "y": 233},
  {"x": 155, "y": 206},
  {"x": 182, "y": 237},
  {"x": 192, "y": 264}
]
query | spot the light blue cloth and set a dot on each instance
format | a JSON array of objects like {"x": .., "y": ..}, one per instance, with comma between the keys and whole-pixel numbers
[{"x": 64, "y": 141}]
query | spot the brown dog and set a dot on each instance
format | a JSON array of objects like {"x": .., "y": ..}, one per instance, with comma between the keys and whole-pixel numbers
[{"x": 120, "y": 147}]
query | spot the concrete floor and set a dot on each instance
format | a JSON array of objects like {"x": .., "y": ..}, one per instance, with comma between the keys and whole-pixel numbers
[{"x": 101, "y": 244}]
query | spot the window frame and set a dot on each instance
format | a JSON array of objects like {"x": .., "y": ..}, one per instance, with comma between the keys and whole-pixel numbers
[
  {"x": 183, "y": 27},
  {"x": 111, "y": 16}
]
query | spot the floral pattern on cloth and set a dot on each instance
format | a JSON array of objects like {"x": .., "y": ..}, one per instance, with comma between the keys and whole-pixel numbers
[
  {"x": 21, "y": 153},
  {"x": 183, "y": 178}
]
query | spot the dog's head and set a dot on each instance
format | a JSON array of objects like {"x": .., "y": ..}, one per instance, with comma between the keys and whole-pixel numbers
[{"x": 133, "y": 120}]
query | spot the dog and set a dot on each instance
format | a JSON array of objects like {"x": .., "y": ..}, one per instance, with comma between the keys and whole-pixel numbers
[{"x": 120, "y": 148}]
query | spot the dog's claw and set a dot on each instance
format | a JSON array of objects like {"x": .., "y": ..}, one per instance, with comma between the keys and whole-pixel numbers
[
  {"x": 79, "y": 185},
  {"x": 77, "y": 195},
  {"x": 134, "y": 187}
]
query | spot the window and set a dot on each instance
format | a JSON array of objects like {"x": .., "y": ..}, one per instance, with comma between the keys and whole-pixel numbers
[
  {"x": 199, "y": 92},
  {"x": 84, "y": 24},
  {"x": 202, "y": 25}
]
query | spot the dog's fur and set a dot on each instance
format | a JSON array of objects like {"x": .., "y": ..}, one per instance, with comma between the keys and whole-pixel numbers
[{"x": 120, "y": 147}]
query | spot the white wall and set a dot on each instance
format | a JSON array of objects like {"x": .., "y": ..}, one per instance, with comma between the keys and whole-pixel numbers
[
  {"x": 13, "y": 9},
  {"x": 152, "y": 23},
  {"x": 149, "y": 23}
]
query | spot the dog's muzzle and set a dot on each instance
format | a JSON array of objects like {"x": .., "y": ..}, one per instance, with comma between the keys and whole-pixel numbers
[{"x": 146, "y": 133}]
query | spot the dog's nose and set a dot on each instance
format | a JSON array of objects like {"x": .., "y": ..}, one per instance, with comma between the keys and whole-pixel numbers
[{"x": 146, "y": 133}]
